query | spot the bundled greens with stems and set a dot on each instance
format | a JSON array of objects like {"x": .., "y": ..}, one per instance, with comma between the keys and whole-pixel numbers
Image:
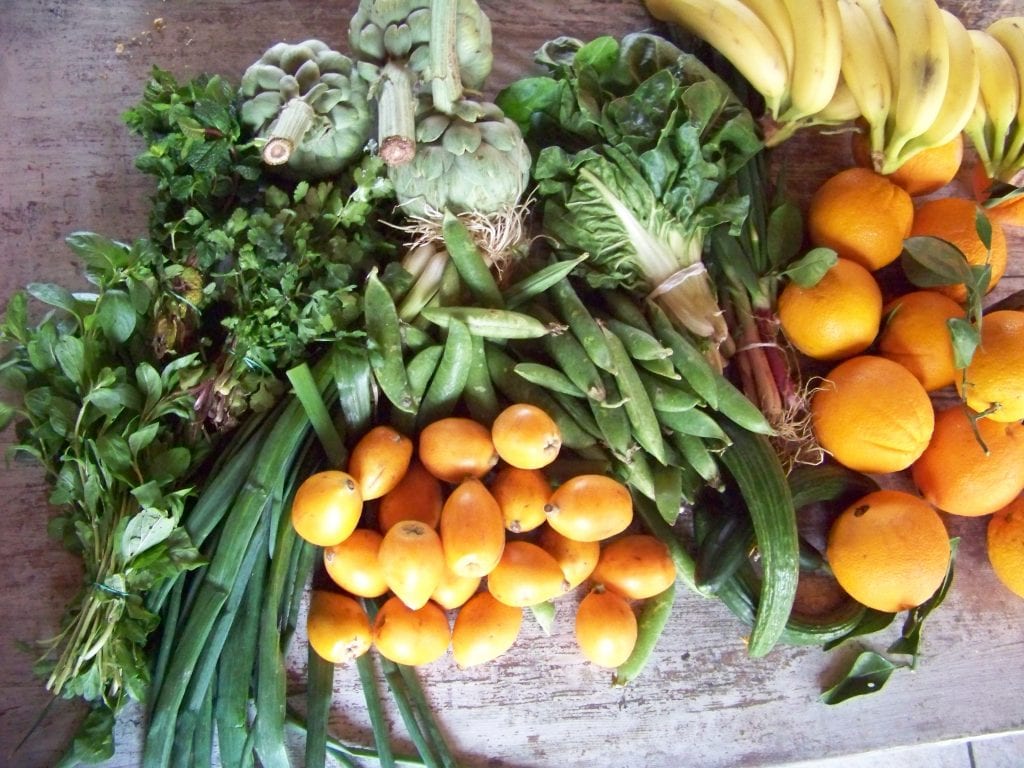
[{"x": 637, "y": 143}]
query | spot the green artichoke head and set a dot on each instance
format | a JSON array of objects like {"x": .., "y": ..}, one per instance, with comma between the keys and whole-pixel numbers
[
  {"x": 471, "y": 161},
  {"x": 323, "y": 85},
  {"x": 399, "y": 30}
]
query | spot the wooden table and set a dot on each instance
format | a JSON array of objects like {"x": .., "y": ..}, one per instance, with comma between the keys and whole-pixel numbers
[{"x": 68, "y": 69}]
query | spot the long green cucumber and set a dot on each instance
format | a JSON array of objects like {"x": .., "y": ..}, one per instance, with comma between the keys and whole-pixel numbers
[{"x": 761, "y": 481}]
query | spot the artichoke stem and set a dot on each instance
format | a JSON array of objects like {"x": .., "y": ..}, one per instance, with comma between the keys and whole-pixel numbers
[
  {"x": 295, "y": 119},
  {"x": 446, "y": 80},
  {"x": 396, "y": 119}
]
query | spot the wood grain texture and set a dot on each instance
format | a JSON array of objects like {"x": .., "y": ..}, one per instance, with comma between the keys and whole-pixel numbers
[{"x": 68, "y": 70}]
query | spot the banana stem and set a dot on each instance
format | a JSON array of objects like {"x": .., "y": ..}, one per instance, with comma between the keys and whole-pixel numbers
[
  {"x": 446, "y": 80},
  {"x": 396, "y": 115}
]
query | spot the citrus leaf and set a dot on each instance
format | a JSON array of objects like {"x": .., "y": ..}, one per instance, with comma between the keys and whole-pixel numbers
[
  {"x": 965, "y": 337},
  {"x": 910, "y": 640},
  {"x": 870, "y": 622},
  {"x": 868, "y": 673},
  {"x": 811, "y": 267},
  {"x": 929, "y": 262}
]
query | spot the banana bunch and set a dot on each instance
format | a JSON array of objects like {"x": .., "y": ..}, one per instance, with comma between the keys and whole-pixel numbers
[
  {"x": 907, "y": 69},
  {"x": 996, "y": 124}
]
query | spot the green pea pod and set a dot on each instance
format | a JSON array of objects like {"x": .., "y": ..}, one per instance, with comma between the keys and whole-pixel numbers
[
  {"x": 536, "y": 283},
  {"x": 420, "y": 371},
  {"x": 681, "y": 556},
  {"x": 580, "y": 413},
  {"x": 686, "y": 358},
  {"x": 414, "y": 338},
  {"x": 626, "y": 309},
  {"x": 650, "y": 624},
  {"x": 638, "y": 343},
  {"x": 491, "y": 323},
  {"x": 479, "y": 394},
  {"x": 733, "y": 404},
  {"x": 611, "y": 418},
  {"x": 549, "y": 378},
  {"x": 582, "y": 324},
  {"x": 662, "y": 367},
  {"x": 694, "y": 422},
  {"x": 469, "y": 261},
  {"x": 568, "y": 354},
  {"x": 666, "y": 396},
  {"x": 646, "y": 427},
  {"x": 668, "y": 490},
  {"x": 384, "y": 345},
  {"x": 449, "y": 379},
  {"x": 696, "y": 455}
]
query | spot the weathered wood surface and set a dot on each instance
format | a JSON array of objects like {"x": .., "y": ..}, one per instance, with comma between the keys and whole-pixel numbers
[{"x": 67, "y": 71}]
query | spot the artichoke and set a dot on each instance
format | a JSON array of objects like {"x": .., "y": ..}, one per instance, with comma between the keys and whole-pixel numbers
[
  {"x": 471, "y": 161},
  {"x": 310, "y": 104},
  {"x": 411, "y": 48}
]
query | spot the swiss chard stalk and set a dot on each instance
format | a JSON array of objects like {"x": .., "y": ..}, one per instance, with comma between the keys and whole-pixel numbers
[{"x": 637, "y": 143}]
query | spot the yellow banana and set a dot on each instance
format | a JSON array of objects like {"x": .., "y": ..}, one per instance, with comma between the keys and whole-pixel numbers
[
  {"x": 999, "y": 90},
  {"x": 775, "y": 16},
  {"x": 923, "y": 48},
  {"x": 842, "y": 108},
  {"x": 962, "y": 92},
  {"x": 1009, "y": 31},
  {"x": 865, "y": 71},
  {"x": 884, "y": 36},
  {"x": 817, "y": 56},
  {"x": 740, "y": 36}
]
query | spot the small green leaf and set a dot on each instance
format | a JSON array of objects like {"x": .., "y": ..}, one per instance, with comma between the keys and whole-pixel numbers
[
  {"x": 70, "y": 354},
  {"x": 144, "y": 530},
  {"x": 785, "y": 234},
  {"x": 114, "y": 450},
  {"x": 869, "y": 672},
  {"x": 984, "y": 227},
  {"x": 811, "y": 267},
  {"x": 965, "y": 338},
  {"x": 99, "y": 252},
  {"x": 54, "y": 295},
  {"x": 117, "y": 315},
  {"x": 149, "y": 381},
  {"x": 94, "y": 740},
  {"x": 544, "y": 613},
  {"x": 140, "y": 439},
  {"x": 929, "y": 262},
  {"x": 909, "y": 641}
]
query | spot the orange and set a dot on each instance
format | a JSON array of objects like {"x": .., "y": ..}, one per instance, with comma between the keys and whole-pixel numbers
[
  {"x": 472, "y": 530},
  {"x": 484, "y": 629},
  {"x": 337, "y": 627},
  {"x": 526, "y": 575},
  {"x": 606, "y": 628},
  {"x": 521, "y": 494},
  {"x": 1008, "y": 212},
  {"x": 889, "y": 550},
  {"x": 1006, "y": 545},
  {"x": 525, "y": 436},
  {"x": 412, "y": 561},
  {"x": 379, "y": 460},
  {"x": 925, "y": 172},
  {"x": 353, "y": 565},
  {"x": 411, "y": 636},
  {"x": 837, "y": 317},
  {"x": 637, "y": 566},
  {"x": 915, "y": 335},
  {"x": 455, "y": 448},
  {"x": 956, "y": 475},
  {"x": 577, "y": 559},
  {"x": 995, "y": 377},
  {"x": 418, "y": 496},
  {"x": 953, "y": 219},
  {"x": 590, "y": 508},
  {"x": 326, "y": 507},
  {"x": 872, "y": 415},
  {"x": 861, "y": 215}
]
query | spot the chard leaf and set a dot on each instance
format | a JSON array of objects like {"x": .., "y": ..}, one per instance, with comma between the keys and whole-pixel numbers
[{"x": 868, "y": 673}]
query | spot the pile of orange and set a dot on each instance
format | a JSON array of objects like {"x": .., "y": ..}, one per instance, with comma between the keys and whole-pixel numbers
[
  {"x": 873, "y": 410},
  {"x": 469, "y": 523}
]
